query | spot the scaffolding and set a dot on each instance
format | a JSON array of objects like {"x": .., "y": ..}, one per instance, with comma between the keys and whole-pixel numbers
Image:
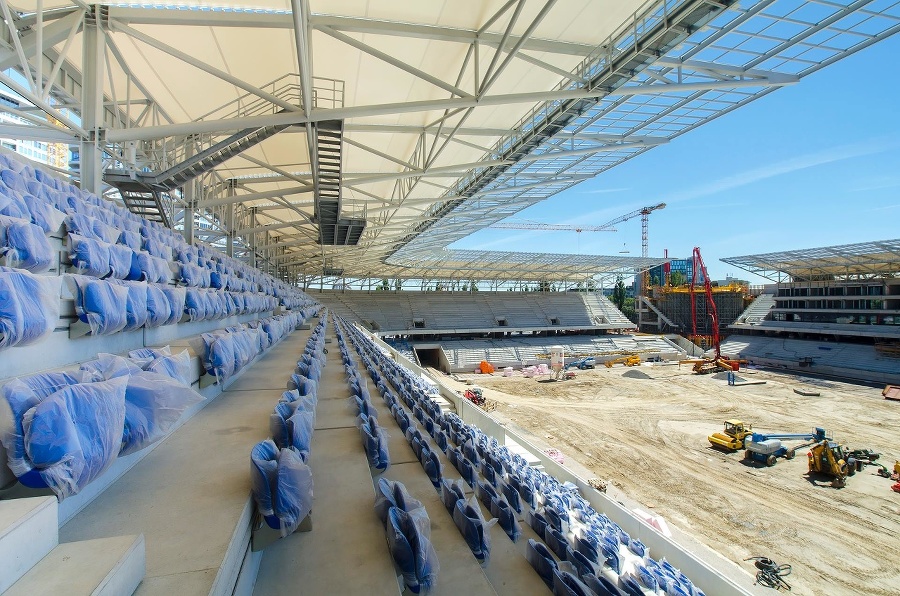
[{"x": 675, "y": 305}]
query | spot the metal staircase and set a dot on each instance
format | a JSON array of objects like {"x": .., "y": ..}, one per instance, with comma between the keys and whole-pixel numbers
[
  {"x": 146, "y": 203},
  {"x": 144, "y": 190},
  {"x": 333, "y": 229}
]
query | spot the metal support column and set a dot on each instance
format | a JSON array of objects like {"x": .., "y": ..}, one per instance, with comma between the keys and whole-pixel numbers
[
  {"x": 189, "y": 194},
  {"x": 93, "y": 67},
  {"x": 251, "y": 238},
  {"x": 229, "y": 220}
]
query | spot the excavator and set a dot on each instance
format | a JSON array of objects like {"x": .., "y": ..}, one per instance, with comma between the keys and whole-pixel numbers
[
  {"x": 829, "y": 458},
  {"x": 630, "y": 360}
]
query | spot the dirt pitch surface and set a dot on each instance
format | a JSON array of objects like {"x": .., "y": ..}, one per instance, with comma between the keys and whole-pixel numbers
[{"x": 648, "y": 438}]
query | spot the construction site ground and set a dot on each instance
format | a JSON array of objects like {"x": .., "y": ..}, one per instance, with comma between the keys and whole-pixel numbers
[{"x": 647, "y": 438}]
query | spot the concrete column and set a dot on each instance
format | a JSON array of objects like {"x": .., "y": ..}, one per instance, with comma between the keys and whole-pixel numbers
[{"x": 93, "y": 69}]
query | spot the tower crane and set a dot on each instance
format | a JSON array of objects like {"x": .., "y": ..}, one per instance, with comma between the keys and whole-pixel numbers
[{"x": 609, "y": 226}]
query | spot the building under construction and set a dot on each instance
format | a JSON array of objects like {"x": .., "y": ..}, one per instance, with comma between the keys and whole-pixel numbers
[{"x": 668, "y": 309}]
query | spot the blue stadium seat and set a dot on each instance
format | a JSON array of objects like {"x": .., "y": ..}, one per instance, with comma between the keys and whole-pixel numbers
[
  {"x": 282, "y": 486},
  {"x": 29, "y": 307},
  {"x": 100, "y": 304},
  {"x": 24, "y": 245},
  {"x": 476, "y": 532}
]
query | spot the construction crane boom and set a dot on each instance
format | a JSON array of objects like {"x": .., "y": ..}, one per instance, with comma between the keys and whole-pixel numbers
[
  {"x": 607, "y": 227},
  {"x": 533, "y": 225},
  {"x": 644, "y": 212}
]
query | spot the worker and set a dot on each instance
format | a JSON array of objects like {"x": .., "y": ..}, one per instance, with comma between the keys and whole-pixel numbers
[{"x": 731, "y": 377}]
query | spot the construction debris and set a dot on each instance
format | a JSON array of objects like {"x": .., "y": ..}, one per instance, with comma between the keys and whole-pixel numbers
[
  {"x": 807, "y": 393},
  {"x": 636, "y": 374}
]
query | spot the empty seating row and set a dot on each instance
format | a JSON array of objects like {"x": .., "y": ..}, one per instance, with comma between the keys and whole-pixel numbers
[
  {"x": 374, "y": 437},
  {"x": 67, "y": 428},
  {"x": 592, "y": 551},
  {"x": 226, "y": 351},
  {"x": 107, "y": 241},
  {"x": 281, "y": 477}
]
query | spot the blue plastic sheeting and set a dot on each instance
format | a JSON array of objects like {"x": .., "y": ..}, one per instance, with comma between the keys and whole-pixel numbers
[
  {"x": 303, "y": 385},
  {"x": 474, "y": 529},
  {"x": 153, "y": 401},
  {"x": 506, "y": 518},
  {"x": 294, "y": 493},
  {"x": 390, "y": 493},
  {"x": 29, "y": 307},
  {"x": 175, "y": 366},
  {"x": 159, "y": 311},
  {"x": 100, "y": 304},
  {"x": 195, "y": 305},
  {"x": 120, "y": 258},
  {"x": 43, "y": 214},
  {"x": 130, "y": 239},
  {"x": 409, "y": 539},
  {"x": 89, "y": 256},
  {"x": 568, "y": 584},
  {"x": 541, "y": 559},
  {"x": 220, "y": 355},
  {"x": 136, "y": 305},
  {"x": 374, "y": 440},
  {"x": 24, "y": 245},
  {"x": 176, "y": 298},
  {"x": 194, "y": 276},
  {"x": 90, "y": 227},
  {"x": 146, "y": 267},
  {"x": 282, "y": 486},
  {"x": 73, "y": 435},
  {"x": 300, "y": 430}
]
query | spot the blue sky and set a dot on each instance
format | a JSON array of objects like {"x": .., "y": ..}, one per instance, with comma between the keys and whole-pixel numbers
[{"x": 813, "y": 164}]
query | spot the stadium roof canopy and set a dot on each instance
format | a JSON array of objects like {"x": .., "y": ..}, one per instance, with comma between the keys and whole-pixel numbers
[
  {"x": 366, "y": 137},
  {"x": 847, "y": 261}
]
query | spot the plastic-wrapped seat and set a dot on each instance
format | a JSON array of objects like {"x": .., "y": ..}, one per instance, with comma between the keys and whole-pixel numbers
[
  {"x": 390, "y": 493},
  {"x": 146, "y": 267},
  {"x": 73, "y": 435},
  {"x": 153, "y": 401},
  {"x": 29, "y": 307},
  {"x": 282, "y": 486},
  {"x": 100, "y": 304},
  {"x": 159, "y": 311},
  {"x": 176, "y": 298},
  {"x": 410, "y": 544},
  {"x": 135, "y": 305},
  {"x": 541, "y": 559},
  {"x": 24, "y": 245},
  {"x": 474, "y": 529},
  {"x": 89, "y": 256},
  {"x": 220, "y": 355}
]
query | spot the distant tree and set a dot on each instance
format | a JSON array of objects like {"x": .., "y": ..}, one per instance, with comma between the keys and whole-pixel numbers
[
  {"x": 618, "y": 295},
  {"x": 677, "y": 278},
  {"x": 628, "y": 310},
  {"x": 591, "y": 285},
  {"x": 384, "y": 286},
  {"x": 398, "y": 285},
  {"x": 545, "y": 286}
]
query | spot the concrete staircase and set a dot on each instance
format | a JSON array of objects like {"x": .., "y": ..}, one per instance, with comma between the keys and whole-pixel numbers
[{"x": 32, "y": 561}]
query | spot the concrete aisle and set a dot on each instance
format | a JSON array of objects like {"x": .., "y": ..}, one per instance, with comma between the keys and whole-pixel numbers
[{"x": 188, "y": 496}]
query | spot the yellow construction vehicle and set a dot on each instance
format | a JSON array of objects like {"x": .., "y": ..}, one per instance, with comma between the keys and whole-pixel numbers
[
  {"x": 732, "y": 438},
  {"x": 828, "y": 458},
  {"x": 630, "y": 360}
]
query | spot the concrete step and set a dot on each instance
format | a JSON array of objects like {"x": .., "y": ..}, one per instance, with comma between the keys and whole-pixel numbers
[
  {"x": 100, "y": 567},
  {"x": 28, "y": 531}
]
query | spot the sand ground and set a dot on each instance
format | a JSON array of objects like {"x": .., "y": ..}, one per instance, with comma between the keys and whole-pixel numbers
[{"x": 647, "y": 436}]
